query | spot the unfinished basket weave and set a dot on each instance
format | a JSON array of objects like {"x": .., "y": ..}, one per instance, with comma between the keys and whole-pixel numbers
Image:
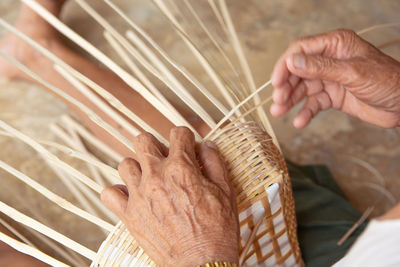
[{"x": 264, "y": 197}]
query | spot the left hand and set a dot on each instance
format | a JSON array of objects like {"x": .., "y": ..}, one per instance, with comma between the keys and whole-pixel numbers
[{"x": 180, "y": 215}]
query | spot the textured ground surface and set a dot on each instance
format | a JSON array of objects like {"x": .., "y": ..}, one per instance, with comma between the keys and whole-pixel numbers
[{"x": 349, "y": 147}]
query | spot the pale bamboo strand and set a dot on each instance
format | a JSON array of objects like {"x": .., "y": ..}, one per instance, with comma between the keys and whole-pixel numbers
[
  {"x": 72, "y": 188},
  {"x": 202, "y": 60},
  {"x": 94, "y": 198},
  {"x": 171, "y": 111},
  {"x": 96, "y": 100},
  {"x": 173, "y": 114},
  {"x": 176, "y": 87},
  {"x": 181, "y": 91},
  {"x": 78, "y": 195},
  {"x": 71, "y": 257},
  {"x": 122, "y": 50},
  {"x": 72, "y": 139},
  {"x": 111, "y": 172},
  {"x": 51, "y": 157},
  {"x": 41, "y": 228},
  {"x": 218, "y": 15},
  {"x": 379, "y": 26},
  {"x": 55, "y": 198},
  {"x": 246, "y": 69},
  {"x": 101, "y": 91},
  {"x": 109, "y": 111},
  {"x": 31, "y": 251},
  {"x": 119, "y": 46},
  {"x": 227, "y": 117},
  {"x": 66, "y": 253},
  {"x": 73, "y": 36},
  {"x": 174, "y": 64},
  {"x": 89, "y": 137},
  {"x": 16, "y": 232},
  {"x": 212, "y": 38},
  {"x": 92, "y": 115}
]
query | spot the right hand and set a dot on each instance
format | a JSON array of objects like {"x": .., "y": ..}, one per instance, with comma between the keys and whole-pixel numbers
[{"x": 337, "y": 70}]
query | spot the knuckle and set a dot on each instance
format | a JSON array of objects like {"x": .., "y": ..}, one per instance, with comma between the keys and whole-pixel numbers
[
  {"x": 125, "y": 164},
  {"x": 144, "y": 138},
  {"x": 181, "y": 130}
]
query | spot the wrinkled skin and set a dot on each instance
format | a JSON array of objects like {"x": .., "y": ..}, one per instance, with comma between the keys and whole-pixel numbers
[
  {"x": 180, "y": 215},
  {"x": 337, "y": 70}
]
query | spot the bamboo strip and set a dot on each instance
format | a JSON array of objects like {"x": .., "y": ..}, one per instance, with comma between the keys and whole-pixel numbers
[
  {"x": 74, "y": 141},
  {"x": 97, "y": 101},
  {"x": 72, "y": 257},
  {"x": 92, "y": 139},
  {"x": 227, "y": 117},
  {"x": 218, "y": 15},
  {"x": 246, "y": 69},
  {"x": 69, "y": 183},
  {"x": 51, "y": 157},
  {"x": 125, "y": 76},
  {"x": 92, "y": 116},
  {"x": 55, "y": 198},
  {"x": 67, "y": 255},
  {"x": 87, "y": 158},
  {"x": 202, "y": 60},
  {"x": 31, "y": 251},
  {"x": 172, "y": 112},
  {"x": 178, "y": 89},
  {"x": 165, "y": 56},
  {"x": 72, "y": 188},
  {"x": 16, "y": 233},
  {"x": 379, "y": 26},
  {"x": 249, "y": 242},
  {"x": 60, "y": 62},
  {"x": 109, "y": 111},
  {"x": 25, "y": 220},
  {"x": 212, "y": 38}
]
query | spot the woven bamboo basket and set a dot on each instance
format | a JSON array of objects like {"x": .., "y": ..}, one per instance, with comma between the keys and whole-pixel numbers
[
  {"x": 264, "y": 197},
  {"x": 244, "y": 137}
]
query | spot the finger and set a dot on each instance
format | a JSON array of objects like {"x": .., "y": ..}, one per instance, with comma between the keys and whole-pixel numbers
[
  {"x": 214, "y": 166},
  {"x": 116, "y": 199},
  {"x": 326, "y": 44},
  {"x": 130, "y": 172},
  {"x": 311, "y": 108},
  {"x": 320, "y": 68},
  {"x": 315, "y": 45},
  {"x": 297, "y": 95},
  {"x": 182, "y": 143},
  {"x": 282, "y": 95},
  {"x": 148, "y": 149}
]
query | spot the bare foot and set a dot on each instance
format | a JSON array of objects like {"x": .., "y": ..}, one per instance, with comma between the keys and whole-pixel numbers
[{"x": 36, "y": 28}]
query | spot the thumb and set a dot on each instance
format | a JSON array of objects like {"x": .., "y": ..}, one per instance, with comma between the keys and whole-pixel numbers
[
  {"x": 317, "y": 67},
  {"x": 116, "y": 199},
  {"x": 214, "y": 166}
]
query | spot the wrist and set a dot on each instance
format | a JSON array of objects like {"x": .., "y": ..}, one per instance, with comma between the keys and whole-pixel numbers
[{"x": 203, "y": 253}]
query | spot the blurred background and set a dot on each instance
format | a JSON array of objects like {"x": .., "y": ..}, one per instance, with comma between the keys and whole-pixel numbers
[{"x": 365, "y": 160}]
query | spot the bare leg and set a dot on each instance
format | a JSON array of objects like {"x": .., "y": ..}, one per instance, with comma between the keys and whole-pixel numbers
[
  {"x": 35, "y": 27},
  {"x": 11, "y": 257}
]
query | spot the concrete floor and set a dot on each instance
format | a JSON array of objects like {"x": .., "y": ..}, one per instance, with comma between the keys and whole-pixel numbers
[{"x": 363, "y": 158}]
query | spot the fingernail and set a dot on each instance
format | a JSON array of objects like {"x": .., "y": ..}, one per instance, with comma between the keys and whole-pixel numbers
[
  {"x": 210, "y": 144},
  {"x": 299, "y": 61}
]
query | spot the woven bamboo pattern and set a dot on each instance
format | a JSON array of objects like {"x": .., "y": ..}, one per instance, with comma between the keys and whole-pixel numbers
[{"x": 264, "y": 197}]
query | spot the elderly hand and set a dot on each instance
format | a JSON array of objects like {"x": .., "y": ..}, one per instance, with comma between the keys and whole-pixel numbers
[
  {"x": 337, "y": 70},
  {"x": 180, "y": 215}
]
